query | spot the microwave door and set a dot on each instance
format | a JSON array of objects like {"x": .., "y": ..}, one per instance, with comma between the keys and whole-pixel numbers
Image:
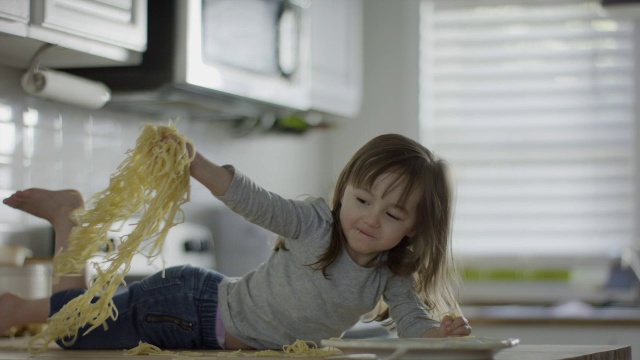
[
  {"x": 254, "y": 49},
  {"x": 241, "y": 34}
]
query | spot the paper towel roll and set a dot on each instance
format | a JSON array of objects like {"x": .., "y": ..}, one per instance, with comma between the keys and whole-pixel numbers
[{"x": 66, "y": 88}]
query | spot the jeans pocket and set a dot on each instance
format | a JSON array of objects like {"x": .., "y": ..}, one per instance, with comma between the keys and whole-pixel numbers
[{"x": 166, "y": 319}]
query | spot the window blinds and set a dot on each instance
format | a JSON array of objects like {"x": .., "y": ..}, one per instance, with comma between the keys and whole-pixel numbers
[{"x": 532, "y": 105}]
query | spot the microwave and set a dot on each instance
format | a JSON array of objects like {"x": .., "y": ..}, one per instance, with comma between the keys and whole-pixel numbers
[{"x": 212, "y": 58}]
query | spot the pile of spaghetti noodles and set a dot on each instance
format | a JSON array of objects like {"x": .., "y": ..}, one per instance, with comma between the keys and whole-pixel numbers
[{"x": 151, "y": 183}]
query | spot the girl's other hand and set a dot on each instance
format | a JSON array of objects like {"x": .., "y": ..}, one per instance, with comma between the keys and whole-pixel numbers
[{"x": 454, "y": 326}]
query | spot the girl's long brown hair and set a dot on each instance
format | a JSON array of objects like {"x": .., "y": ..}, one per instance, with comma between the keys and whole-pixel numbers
[{"x": 427, "y": 255}]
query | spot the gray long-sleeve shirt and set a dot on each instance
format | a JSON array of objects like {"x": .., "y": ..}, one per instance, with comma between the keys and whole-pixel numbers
[{"x": 284, "y": 299}]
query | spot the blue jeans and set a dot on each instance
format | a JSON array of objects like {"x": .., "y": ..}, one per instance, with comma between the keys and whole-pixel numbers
[{"x": 174, "y": 312}]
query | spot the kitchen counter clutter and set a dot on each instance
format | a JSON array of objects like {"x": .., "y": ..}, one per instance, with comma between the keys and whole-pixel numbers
[{"x": 15, "y": 349}]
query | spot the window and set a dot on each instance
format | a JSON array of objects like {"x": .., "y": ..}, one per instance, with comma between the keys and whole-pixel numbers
[{"x": 533, "y": 105}]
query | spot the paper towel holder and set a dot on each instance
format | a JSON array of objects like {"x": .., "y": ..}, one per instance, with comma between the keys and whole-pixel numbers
[{"x": 63, "y": 87}]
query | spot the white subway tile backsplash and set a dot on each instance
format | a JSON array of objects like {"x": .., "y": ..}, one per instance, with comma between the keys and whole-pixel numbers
[
  {"x": 42, "y": 173},
  {"x": 6, "y": 176},
  {"x": 104, "y": 127},
  {"x": 7, "y": 138},
  {"x": 47, "y": 143},
  {"x": 9, "y": 215}
]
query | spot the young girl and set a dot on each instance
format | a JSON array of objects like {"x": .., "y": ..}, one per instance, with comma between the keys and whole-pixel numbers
[{"x": 385, "y": 240}]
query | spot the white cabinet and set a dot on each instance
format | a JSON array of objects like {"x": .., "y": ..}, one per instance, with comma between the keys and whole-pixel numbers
[
  {"x": 336, "y": 56},
  {"x": 14, "y": 16},
  {"x": 122, "y": 23},
  {"x": 87, "y": 32}
]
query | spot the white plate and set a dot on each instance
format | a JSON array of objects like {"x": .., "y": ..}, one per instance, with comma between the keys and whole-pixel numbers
[{"x": 462, "y": 348}]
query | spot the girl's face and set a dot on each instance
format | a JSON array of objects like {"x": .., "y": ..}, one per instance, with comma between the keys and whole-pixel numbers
[{"x": 373, "y": 221}]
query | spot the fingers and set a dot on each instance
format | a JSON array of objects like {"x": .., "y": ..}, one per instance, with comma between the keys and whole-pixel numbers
[
  {"x": 463, "y": 330},
  {"x": 446, "y": 322},
  {"x": 174, "y": 137},
  {"x": 454, "y": 327}
]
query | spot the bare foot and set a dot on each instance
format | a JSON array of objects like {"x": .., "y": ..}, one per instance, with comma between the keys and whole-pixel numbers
[
  {"x": 16, "y": 311},
  {"x": 54, "y": 206}
]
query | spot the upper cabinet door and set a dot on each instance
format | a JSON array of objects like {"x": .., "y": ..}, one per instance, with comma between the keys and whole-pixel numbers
[
  {"x": 14, "y": 17},
  {"x": 336, "y": 56},
  {"x": 122, "y": 23}
]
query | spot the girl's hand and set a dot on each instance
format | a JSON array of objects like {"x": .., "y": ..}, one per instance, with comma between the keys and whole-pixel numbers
[
  {"x": 172, "y": 137},
  {"x": 454, "y": 326}
]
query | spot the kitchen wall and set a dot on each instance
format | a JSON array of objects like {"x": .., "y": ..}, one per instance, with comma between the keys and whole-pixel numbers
[
  {"x": 390, "y": 80},
  {"x": 51, "y": 145}
]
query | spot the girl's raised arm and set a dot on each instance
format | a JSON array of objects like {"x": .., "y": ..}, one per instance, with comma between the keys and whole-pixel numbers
[{"x": 213, "y": 176}]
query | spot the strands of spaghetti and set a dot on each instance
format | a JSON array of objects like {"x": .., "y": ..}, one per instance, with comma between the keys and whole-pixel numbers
[
  {"x": 301, "y": 348},
  {"x": 153, "y": 181},
  {"x": 266, "y": 353},
  {"x": 239, "y": 353},
  {"x": 144, "y": 348}
]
